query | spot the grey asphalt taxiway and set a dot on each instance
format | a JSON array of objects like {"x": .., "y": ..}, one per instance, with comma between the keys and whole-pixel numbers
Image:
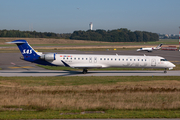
[
  {"x": 12, "y": 65},
  {"x": 10, "y": 73}
]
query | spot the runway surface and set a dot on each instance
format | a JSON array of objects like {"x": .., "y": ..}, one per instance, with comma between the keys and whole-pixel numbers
[
  {"x": 12, "y": 65},
  {"x": 10, "y": 73}
]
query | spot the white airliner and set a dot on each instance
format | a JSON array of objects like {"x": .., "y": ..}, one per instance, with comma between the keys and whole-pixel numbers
[
  {"x": 85, "y": 61},
  {"x": 150, "y": 49}
]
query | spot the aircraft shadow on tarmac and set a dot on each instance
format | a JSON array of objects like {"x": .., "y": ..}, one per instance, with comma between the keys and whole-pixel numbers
[{"x": 68, "y": 73}]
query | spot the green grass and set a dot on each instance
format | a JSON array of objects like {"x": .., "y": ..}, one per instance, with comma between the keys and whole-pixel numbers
[
  {"x": 37, "y": 112},
  {"x": 108, "y": 114},
  {"x": 164, "y": 41},
  {"x": 77, "y": 80},
  {"x": 168, "y": 41}
]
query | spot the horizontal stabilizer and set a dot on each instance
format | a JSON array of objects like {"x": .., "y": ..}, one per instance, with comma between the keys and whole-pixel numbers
[{"x": 17, "y": 41}]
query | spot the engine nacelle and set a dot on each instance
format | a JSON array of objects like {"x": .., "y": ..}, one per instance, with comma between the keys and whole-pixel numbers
[{"x": 48, "y": 57}]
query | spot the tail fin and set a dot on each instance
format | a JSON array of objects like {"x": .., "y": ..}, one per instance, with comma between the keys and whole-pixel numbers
[
  {"x": 159, "y": 46},
  {"x": 27, "y": 51}
]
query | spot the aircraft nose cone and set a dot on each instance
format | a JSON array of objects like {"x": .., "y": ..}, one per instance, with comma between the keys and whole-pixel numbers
[{"x": 171, "y": 66}]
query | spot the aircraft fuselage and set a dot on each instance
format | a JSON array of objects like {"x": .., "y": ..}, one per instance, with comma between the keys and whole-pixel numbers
[{"x": 104, "y": 61}]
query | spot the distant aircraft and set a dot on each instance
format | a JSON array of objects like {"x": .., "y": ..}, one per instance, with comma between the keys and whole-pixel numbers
[
  {"x": 87, "y": 61},
  {"x": 150, "y": 49}
]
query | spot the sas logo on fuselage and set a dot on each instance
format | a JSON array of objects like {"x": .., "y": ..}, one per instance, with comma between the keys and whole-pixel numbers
[{"x": 27, "y": 51}]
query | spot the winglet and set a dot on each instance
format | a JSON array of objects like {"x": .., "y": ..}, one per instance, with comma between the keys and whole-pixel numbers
[{"x": 65, "y": 64}]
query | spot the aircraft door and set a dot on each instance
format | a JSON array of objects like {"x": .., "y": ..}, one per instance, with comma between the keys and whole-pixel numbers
[
  {"x": 95, "y": 59},
  {"x": 153, "y": 62},
  {"x": 90, "y": 59}
]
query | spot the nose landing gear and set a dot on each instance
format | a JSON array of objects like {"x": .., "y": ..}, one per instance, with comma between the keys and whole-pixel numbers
[
  {"x": 165, "y": 70},
  {"x": 85, "y": 71}
]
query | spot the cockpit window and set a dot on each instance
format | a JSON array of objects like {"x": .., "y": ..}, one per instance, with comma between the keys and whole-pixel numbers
[{"x": 163, "y": 60}]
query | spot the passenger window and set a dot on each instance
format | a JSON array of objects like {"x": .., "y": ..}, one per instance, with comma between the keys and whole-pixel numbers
[
  {"x": 126, "y": 59},
  {"x": 119, "y": 59},
  {"x": 108, "y": 59},
  {"x": 74, "y": 58},
  {"x": 104, "y": 58},
  {"x": 123, "y": 59},
  {"x": 142, "y": 59},
  {"x": 82, "y": 58},
  {"x": 134, "y": 59},
  {"x": 111, "y": 59},
  {"x": 100, "y": 58},
  {"x": 130, "y": 59},
  {"x": 114, "y": 59},
  {"x": 63, "y": 58},
  {"x": 78, "y": 58}
]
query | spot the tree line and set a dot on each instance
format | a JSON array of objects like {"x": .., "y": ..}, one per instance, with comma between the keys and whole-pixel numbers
[
  {"x": 32, "y": 34},
  {"x": 118, "y": 35}
]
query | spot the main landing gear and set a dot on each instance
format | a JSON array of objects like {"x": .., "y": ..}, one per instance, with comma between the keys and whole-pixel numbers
[
  {"x": 85, "y": 71},
  {"x": 165, "y": 70}
]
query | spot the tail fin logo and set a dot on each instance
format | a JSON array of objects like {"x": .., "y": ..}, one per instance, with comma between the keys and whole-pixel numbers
[{"x": 27, "y": 51}]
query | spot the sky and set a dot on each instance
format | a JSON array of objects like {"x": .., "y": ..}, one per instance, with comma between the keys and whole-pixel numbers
[{"x": 66, "y": 16}]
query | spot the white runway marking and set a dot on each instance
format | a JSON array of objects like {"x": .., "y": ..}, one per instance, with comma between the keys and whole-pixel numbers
[{"x": 13, "y": 63}]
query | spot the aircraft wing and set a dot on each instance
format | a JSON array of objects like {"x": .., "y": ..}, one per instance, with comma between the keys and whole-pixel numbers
[
  {"x": 86, "y": 66},
  {"x": 80, "y": 66}
]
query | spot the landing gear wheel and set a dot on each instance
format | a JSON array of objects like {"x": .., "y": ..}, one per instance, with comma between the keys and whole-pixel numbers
[
  {"x": 165, "y": 71},
  {"x": 85, "y": 71}
]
